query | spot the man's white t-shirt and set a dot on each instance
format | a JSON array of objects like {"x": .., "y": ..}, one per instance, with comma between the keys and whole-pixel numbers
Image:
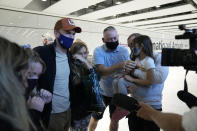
[{"x": 189, "y": 120}]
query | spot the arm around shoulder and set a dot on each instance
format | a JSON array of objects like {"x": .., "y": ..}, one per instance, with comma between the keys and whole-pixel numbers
[{"x": 160, "y": 72}]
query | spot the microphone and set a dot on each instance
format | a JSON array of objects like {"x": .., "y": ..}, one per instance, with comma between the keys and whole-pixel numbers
[
  {"x": 125, "y": 102},
  {"x": 188, "y": 98}
]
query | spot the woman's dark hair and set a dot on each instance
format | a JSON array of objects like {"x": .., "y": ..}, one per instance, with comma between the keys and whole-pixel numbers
[
  {"x": 146, "y": 42},
  {"x": 78, "y": 45},
  {"x": 134, "y": 35}
]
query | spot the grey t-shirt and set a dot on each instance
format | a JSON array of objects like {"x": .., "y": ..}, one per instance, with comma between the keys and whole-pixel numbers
[{"x": 60, "y": 100}]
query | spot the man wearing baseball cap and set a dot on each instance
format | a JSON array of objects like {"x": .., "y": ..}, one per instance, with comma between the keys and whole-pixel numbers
[{"x": 56, "y": 115}]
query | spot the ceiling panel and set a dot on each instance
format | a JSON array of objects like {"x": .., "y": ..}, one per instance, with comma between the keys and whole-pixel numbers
[
  {"x": 167, "y": 30},
  {"x": 176, "y": 32},
  {"x": 15, "y": 3},
  {"x": 169, "y": 24},
  {"x": 168, "y": 19},
  {"x": 175, "y": 27},
  {"x": 65, "y": 7},
  {"x": 163, "y": 12},
  {"x": 125, "y": 7}
]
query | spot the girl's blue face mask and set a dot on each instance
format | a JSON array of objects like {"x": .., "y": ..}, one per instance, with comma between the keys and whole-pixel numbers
[
  {"x": 65, "y": 42},
  {"x": 135, "y": 51}
]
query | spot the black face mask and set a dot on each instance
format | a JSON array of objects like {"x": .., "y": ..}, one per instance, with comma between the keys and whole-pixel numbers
[
  {"x": 112, "y": 45},
  {"x": 32, "y": 83}
]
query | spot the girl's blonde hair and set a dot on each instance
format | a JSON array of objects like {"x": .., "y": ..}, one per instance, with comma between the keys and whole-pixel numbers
[
  {"x": 35, "y": 57},
  {"x": 77, "y": 46},
  {"x": 13, "y": 59}
]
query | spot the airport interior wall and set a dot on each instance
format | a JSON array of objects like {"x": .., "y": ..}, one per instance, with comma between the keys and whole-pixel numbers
[{"x": 25, "y": 27}]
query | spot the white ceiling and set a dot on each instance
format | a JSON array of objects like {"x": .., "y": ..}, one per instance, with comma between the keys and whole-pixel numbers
[
  {"x": 125, "y": 7},
  {"x": 163, "y": 12},
  {"x": 168, "y": 19},
  {"x": 144, "y": 14},
  {"x": 173, "y": 27},
  {"x": 65, "y": 7},
  {"x": 169, "y": 24}
]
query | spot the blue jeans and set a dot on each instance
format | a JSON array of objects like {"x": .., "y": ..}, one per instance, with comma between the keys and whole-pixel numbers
[{"x": 120, "y": 85}]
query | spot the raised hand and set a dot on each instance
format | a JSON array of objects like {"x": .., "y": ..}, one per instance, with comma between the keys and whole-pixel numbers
[
  {"x": 46, "y": 96},
  {"x": 80, "y": 58},
  {"x": 35, "y": 103},
  {"x": 130, "y": 65}
]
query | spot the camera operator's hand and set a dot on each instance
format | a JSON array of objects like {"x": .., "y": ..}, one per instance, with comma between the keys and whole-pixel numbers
[
  {"x": 166, "y": 121},
  {"x": 46, "y": 96},
  {"x": 35, "y": 103},
  {"x": 146, "y": 111}
]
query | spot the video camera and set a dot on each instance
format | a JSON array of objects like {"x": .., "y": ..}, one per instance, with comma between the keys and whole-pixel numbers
[
  {"x": 182, "y": 57},
  {"x": 186, "y": 58}
]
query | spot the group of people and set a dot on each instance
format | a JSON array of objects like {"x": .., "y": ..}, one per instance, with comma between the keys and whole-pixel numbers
[{"x": 56, "y": 88}]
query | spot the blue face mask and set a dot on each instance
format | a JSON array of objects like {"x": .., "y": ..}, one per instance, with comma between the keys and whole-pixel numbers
[
  {"x": 65, "y": 42},
  {"x": 135, "y": 51}
]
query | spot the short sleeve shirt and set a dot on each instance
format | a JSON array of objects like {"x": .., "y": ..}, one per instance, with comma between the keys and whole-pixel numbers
[{"x": 109, "y": 58}]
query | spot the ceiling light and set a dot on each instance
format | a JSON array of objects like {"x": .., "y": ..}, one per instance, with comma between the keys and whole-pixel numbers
[
  {"x": 44, "y": 0},
  {"x": 118, "y": 2}
]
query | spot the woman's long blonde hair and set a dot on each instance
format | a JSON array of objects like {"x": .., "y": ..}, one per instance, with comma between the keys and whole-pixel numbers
[
  {"x": 13, "y": 59},
  {"x": 77, "y": 67}
]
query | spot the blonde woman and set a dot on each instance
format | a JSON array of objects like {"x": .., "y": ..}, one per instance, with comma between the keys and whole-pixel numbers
[
  {"x": 84, "y": 77},
  {"x": 13, "y": 80},
  {"x": 36, "y": 96},
  {"x": 36, "y": 68}
]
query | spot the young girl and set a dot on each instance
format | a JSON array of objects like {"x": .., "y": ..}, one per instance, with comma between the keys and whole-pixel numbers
[{"x": 143, "y": 52}]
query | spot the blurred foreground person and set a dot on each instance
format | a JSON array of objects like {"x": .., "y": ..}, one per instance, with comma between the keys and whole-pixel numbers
[{"x": 13, "y": 71}]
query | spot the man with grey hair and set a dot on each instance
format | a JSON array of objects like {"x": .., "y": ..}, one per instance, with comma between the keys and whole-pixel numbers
[
  {"x": 47, "y": 39},
  {"x": 108, "y": 59}
]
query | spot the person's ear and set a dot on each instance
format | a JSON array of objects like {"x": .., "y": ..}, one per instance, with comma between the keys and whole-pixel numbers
[
  {"x": 103, "y": 40},
  {"x": 57, "y": 34}
]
